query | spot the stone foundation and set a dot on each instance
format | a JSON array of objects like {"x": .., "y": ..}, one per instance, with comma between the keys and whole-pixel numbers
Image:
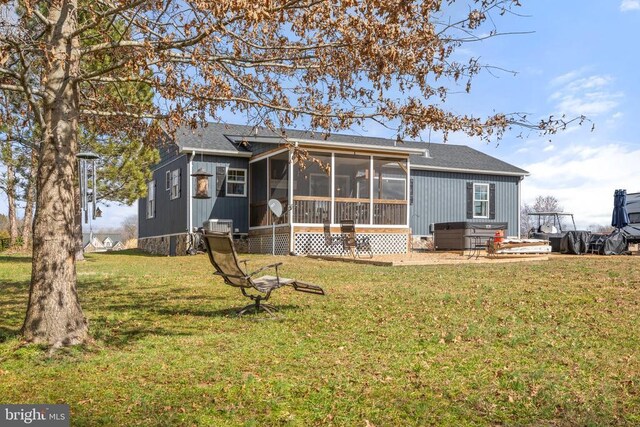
[
  {"x": 161, "y": 245},
  {"x": 422, "y": 243}
]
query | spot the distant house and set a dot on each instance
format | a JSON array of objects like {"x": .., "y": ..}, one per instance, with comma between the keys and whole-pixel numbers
[
  {"x": 102, "y": 242},
  {"x": 393, "y": 191}
]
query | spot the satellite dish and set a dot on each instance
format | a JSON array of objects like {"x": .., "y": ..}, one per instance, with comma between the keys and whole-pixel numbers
[{"x": 275, "y": 206}]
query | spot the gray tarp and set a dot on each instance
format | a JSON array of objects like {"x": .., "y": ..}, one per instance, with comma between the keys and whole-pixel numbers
[
  {"x": 615, "y": 244},
  {"x": 575, "y": 242}
]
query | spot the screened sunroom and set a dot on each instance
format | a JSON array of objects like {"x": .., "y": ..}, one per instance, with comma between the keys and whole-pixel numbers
[{"x": 370, "y": 188}]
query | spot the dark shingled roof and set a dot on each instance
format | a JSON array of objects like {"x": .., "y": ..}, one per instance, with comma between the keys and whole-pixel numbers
[{"x": 218, "y": 136}]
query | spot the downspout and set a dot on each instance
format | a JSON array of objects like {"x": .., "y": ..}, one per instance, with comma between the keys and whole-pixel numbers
[
  {"x": 189, "y": 195},
  {"x": 520, "y": 179}
]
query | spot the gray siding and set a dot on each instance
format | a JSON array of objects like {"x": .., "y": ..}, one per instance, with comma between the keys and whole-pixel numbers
[
  {"x": 441, "y": 197},
  {"x": 171, "y": 215},
  {"x": 235, "y": 208}
]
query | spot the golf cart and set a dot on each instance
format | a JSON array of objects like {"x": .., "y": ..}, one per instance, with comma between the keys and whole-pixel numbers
[{"x": 550, "y": 227}]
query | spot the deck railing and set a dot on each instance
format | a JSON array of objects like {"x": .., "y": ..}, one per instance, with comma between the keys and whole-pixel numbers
[
  {"x": 353, "y": 209},
  {"x": 389, "y": 212},
  {"x": 311, "y": 210},
  {"x": 317, "y": 210},
  {"x": 260, "y": 214}
]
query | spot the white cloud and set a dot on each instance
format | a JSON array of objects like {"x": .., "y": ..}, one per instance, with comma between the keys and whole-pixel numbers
[
  {"x": 549, "y": 148},
  {"x": 583, "y": 178},
  {"x": 112, "y": 217},
  {"x": 628, "y": 5},
  {"x": 590, "y": 96}
]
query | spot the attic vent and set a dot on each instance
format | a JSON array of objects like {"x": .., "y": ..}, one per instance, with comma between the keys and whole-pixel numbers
[{"x": 426, "y": 153}]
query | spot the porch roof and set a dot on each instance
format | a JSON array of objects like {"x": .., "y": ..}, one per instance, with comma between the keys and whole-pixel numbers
[{"x": 224, "y": 139}]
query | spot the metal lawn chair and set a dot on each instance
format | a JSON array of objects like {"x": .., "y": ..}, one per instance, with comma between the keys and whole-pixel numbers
[
  {"x": 223, "y": 257},
  {"x": 353, "y": 243},
  {"x": 330, "y": 240}
]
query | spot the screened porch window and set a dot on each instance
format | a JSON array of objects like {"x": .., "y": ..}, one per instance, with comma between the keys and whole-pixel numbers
[
  {"x": 389, "y": 191},
  {"x": 312, "y": 189},
  {"x": 258, "y": 194}
]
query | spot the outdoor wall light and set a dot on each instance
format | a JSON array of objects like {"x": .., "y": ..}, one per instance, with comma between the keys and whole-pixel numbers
[{"x": 202, "y": 184}]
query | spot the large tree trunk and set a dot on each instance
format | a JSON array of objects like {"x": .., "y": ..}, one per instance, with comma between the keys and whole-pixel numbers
[
  {"x": 27, "y": 226},
  {"x": 54, "y": 316}
]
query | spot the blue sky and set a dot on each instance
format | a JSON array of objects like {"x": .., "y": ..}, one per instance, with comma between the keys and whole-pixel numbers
[{"x": 582, "y": 57}]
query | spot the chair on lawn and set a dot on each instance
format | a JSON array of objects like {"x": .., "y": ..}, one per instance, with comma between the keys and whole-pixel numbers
[
  {"x": 330, "y": 240},
  {"x": 353, "y": 243},
  {"x": 223, "y": 257}
]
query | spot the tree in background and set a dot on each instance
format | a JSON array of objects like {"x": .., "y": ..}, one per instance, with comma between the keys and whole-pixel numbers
[
  {"x": 330, "y": 65},
  {"x": 541, "y": 204},
  {"x": 130, "y": 228}
]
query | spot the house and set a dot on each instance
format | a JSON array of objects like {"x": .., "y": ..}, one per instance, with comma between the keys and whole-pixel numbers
[
  {"x": 102, "y": 242},
  {"x": 392, "y": 190}
]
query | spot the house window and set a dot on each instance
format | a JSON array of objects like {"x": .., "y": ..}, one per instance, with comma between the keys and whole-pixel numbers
[
  {"x": 236, "y": 182},
  {"x": 175, "y": 184},
  {"x": 168, "y": 180},
  {"x": 151, "y": 199},
  {"x": 481, "y": 200}
]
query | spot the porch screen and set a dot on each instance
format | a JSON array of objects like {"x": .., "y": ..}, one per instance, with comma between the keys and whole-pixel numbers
[
  {"x": 258, "y": 194},
  {"x": 312, "y": 189},
  {"x": 352, "y": 177},
  {"x": 390, "y": 191}
]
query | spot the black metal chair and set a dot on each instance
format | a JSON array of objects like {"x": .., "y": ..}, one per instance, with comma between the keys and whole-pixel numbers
[
  {"x": 223, "y": 257},
  {"x": 353, "y": 243},
  {"x": 330, "y": 240}
]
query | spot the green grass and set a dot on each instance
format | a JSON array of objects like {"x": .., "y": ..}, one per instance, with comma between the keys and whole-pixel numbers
[{"x": 549, "y": 343}]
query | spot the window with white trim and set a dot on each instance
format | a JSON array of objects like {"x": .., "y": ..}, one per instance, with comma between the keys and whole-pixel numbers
[
  {"x": 168, "y": 180},
  {"x": 151, "y": 199},
  {"x": 481, "y": 200},
  {"x": 175, "y": 184},
  {"x": 236, "y": 182}
]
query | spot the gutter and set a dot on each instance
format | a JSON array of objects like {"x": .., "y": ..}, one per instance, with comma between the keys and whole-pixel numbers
[
  {"x": 477, "y": 171},
  {"x": 349, "y": 145},
  {"x": 229, "y": 153}
]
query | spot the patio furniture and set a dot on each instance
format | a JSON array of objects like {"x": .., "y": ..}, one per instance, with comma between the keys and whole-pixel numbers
[
  {"x": 330, "y": 240},
  {"x": 223, "y": 257},
  {"x": 353, "y": 243}
]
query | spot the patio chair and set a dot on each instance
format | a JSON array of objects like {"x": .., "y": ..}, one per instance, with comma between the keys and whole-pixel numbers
[
  {"x": 330, "y": 240},
  {"x": 353, "y": 243},
  {"x": 223, "y": 257}
]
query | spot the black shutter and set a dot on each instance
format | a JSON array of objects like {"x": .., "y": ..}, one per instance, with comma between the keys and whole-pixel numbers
[
  {"x": 155, "y": 197},
  {"x": 469, "y": 200},
  {"x": 221, "y": 178},
  {"x": 411, "y": 191},
  {"x": 492, "y": 201}
]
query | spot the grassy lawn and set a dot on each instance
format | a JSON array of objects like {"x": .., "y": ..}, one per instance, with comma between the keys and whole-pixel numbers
[{"x": 549, "y": 343}]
